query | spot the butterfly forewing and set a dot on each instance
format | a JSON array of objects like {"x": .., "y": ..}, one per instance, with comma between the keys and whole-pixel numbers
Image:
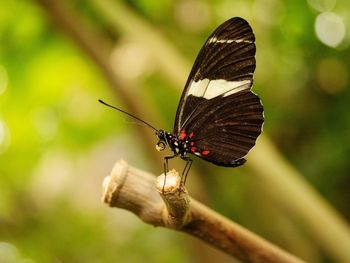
[{"x": 217, "y": 106}]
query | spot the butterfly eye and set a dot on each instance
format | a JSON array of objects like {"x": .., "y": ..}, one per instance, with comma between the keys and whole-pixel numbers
[{"x": 160, "y": 146}]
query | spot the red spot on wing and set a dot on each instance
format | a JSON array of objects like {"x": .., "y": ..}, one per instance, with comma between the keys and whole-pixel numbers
[
  {"x": 193, "y": 149},
  {"x": 191, "y": 143},
  {"x": 191, "y": 135},
  {"x": 205, "y": 152},
  {"x": 182, "y": 135}
]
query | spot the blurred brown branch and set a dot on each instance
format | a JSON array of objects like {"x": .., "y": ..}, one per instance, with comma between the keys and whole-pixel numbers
[
  {"x": 97, "y": 48},
  {"x": 137, "y": 191}
]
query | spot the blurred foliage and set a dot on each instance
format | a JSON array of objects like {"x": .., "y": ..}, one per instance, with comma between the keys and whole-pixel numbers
[{"x": 54, "y": 134}]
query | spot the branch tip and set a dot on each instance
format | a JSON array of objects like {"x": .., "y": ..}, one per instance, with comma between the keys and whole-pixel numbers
[
  {"x": 175, "y": 196},
  {"x": 168, "y": 183},
  {"x": 114, "y": 182}
]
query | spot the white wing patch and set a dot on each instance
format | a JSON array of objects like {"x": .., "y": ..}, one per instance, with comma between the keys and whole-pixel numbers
[
  {"x": 209, "y": 89},
  {"x": 198, "y": 88},
  {"x": 215, "y": 40}
]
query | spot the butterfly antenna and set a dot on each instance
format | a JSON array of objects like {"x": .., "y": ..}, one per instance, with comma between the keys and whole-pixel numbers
[{"x": 149, "y": 125}]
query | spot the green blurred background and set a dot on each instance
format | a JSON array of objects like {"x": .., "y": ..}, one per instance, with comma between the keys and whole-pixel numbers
[{"x": 57, "y": 142}]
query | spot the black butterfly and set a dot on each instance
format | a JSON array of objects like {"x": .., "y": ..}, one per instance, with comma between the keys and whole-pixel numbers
[{"x": 218, "y": 118}]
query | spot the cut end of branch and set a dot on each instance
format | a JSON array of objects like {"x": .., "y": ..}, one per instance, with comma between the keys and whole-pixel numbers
[
  {"x": 114, "y": 182},
  {"x": 169, "y": 182}
]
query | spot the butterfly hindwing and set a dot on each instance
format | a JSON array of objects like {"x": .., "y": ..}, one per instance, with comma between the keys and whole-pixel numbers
[
  {"x": 228, "y": 129},
  {"x": 217, "y": 106}
]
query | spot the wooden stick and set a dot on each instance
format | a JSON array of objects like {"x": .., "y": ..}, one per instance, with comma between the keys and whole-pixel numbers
[{"x": 165, "y": 202}]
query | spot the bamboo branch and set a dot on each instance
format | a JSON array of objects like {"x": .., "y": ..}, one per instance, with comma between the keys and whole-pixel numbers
[{"x": 165, "y": 202}]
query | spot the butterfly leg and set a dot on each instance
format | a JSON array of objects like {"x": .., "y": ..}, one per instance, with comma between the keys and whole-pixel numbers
[
  {"x": 166, "y": 167},
  {"x": 186, "y": 169}
]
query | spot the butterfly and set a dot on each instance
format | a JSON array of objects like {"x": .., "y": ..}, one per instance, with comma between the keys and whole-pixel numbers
[{"x": 218, "y": 118}]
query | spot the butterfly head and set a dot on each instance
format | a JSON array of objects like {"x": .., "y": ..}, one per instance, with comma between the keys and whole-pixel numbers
[{"x": 162, "y": 136}]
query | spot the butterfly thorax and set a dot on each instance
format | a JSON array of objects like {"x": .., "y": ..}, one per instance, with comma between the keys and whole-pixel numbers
[{"x": 179, "y": 144}]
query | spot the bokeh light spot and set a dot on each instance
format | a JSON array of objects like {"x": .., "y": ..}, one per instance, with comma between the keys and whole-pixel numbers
[
  {"x": 4, "y": 136},
  {"x": 330, "y": 29},
  {"x": 9, "y": 253},
  {"x": 130, "y": 60},
  {"x": 46, "y": 123},
  {"x": 322, "y": 5},
  {"x": 193, "y": 15}
]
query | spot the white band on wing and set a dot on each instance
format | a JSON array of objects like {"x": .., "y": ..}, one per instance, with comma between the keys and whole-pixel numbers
[
  {"x": 209, "y": 89},
  {"x": 215, "y": 40}
]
